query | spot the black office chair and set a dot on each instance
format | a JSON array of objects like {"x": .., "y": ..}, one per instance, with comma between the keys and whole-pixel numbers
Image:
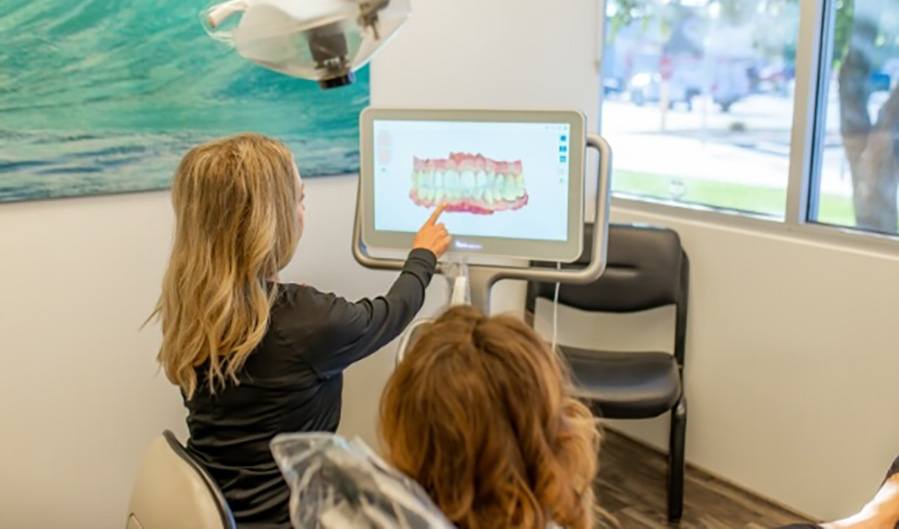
[{"x": 647, "y": 268}]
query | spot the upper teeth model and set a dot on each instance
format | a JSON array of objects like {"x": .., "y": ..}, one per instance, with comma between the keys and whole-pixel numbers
[{"x": 468, "y": 182}]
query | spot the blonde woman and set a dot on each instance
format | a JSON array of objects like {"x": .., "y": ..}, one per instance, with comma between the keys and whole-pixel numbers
[{"x": 255, "y": 357}]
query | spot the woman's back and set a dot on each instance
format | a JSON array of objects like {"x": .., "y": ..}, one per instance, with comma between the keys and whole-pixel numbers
[
  {"x": 279, "y": 390},
  {"x": 292, "y": 382}
]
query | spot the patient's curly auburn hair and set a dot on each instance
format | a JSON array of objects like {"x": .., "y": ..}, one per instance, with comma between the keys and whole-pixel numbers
[{"x": 480, "y": 415}]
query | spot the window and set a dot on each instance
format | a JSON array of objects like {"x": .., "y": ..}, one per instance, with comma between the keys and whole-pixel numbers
[
  {"x": 698, "y": 102},
  {"x": 857, "y": 148}
]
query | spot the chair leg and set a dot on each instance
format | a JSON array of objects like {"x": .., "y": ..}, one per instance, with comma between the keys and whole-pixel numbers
[{"x": 676, "y": 447}]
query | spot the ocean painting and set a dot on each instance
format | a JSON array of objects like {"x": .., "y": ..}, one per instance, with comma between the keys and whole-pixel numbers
[{"x": 105, "y": 96}]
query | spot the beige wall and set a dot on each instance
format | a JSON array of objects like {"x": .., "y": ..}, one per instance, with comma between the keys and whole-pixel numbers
[
  {"x": 792, "y": 364},
  {"x": 79, "y": 391},
  {"x": 792, "y": 373}
]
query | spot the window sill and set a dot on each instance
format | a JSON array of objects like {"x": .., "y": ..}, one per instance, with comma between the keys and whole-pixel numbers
[{"x": 806, "y": 232}]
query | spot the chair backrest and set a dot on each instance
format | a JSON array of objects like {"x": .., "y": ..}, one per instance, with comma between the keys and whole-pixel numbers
[
  {"x": 647, "y": 268},
  {"x": 173, "y": 491}
]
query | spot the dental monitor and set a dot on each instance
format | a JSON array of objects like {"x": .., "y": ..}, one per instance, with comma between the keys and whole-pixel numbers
[{"x": 512, "y": 181}]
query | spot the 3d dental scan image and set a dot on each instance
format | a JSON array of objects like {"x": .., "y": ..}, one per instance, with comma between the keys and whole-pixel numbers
[{"x": 469, "y": 182}]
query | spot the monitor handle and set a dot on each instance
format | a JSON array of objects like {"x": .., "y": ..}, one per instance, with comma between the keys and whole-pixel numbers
[{"x": 483, "y": 277}]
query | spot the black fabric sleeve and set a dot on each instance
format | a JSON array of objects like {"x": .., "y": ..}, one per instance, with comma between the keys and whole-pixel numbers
[{"x": 351, "y": 331}]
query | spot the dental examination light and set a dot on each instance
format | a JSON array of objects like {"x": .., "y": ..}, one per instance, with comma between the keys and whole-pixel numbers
[{"x": 319, "y": 40}]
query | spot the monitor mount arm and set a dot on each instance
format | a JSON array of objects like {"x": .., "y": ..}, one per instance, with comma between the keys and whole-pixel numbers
[{"x": 483, "y": 277}]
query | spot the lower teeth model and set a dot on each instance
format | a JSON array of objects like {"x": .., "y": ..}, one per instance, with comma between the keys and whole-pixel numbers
[{"x": 468, "y": 182}]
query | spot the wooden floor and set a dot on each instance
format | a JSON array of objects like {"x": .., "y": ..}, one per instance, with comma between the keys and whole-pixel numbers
[{"x": 632, "y": 488}]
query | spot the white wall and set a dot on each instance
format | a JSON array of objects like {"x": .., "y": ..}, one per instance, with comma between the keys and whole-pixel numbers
[{"x": 779, "y": 331}]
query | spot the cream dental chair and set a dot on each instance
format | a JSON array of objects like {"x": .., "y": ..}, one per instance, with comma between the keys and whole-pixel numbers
[{"x": 173, "y": 491}]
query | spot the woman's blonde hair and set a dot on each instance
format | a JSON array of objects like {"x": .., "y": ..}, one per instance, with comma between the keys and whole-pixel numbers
[
  {"x": 235, "y": 202},
  {"x": 479, "y": 414}
]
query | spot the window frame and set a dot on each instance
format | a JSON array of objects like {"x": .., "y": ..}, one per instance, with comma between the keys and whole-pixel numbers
[{"x": 814, "y": 42}]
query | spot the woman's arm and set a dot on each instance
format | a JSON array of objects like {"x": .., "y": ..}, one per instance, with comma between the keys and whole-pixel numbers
[{"x": 352, "y": 331}]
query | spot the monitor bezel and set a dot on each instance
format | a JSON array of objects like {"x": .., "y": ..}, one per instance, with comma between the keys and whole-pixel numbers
[{"x": 565, "y": 251}]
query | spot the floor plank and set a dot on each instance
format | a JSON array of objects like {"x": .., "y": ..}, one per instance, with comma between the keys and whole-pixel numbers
[{"x": 631, "y": 487}]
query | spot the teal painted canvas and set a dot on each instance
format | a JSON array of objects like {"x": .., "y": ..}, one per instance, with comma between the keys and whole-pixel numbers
[{"x": 105, "y": 96}]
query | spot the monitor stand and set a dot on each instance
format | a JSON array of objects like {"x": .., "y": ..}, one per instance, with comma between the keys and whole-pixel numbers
[{"x": 483, "y": 277}]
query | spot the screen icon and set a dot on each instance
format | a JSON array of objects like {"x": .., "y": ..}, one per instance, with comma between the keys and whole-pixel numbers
[
  {"x": 563, "y": 148},
  {"x": 563, "y": 159}
]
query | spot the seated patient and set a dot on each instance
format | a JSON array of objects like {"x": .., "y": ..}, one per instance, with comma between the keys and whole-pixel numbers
[{"x": 479, "y": 415}]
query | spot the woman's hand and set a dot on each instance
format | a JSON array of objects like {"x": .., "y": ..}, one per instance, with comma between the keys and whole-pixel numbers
[{"x": 432, "y": 236}]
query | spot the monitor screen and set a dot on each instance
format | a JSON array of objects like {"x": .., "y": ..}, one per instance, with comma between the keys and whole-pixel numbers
[
  {"x": 505, "y": 180},
  {"x": 512, "y": 182}
]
